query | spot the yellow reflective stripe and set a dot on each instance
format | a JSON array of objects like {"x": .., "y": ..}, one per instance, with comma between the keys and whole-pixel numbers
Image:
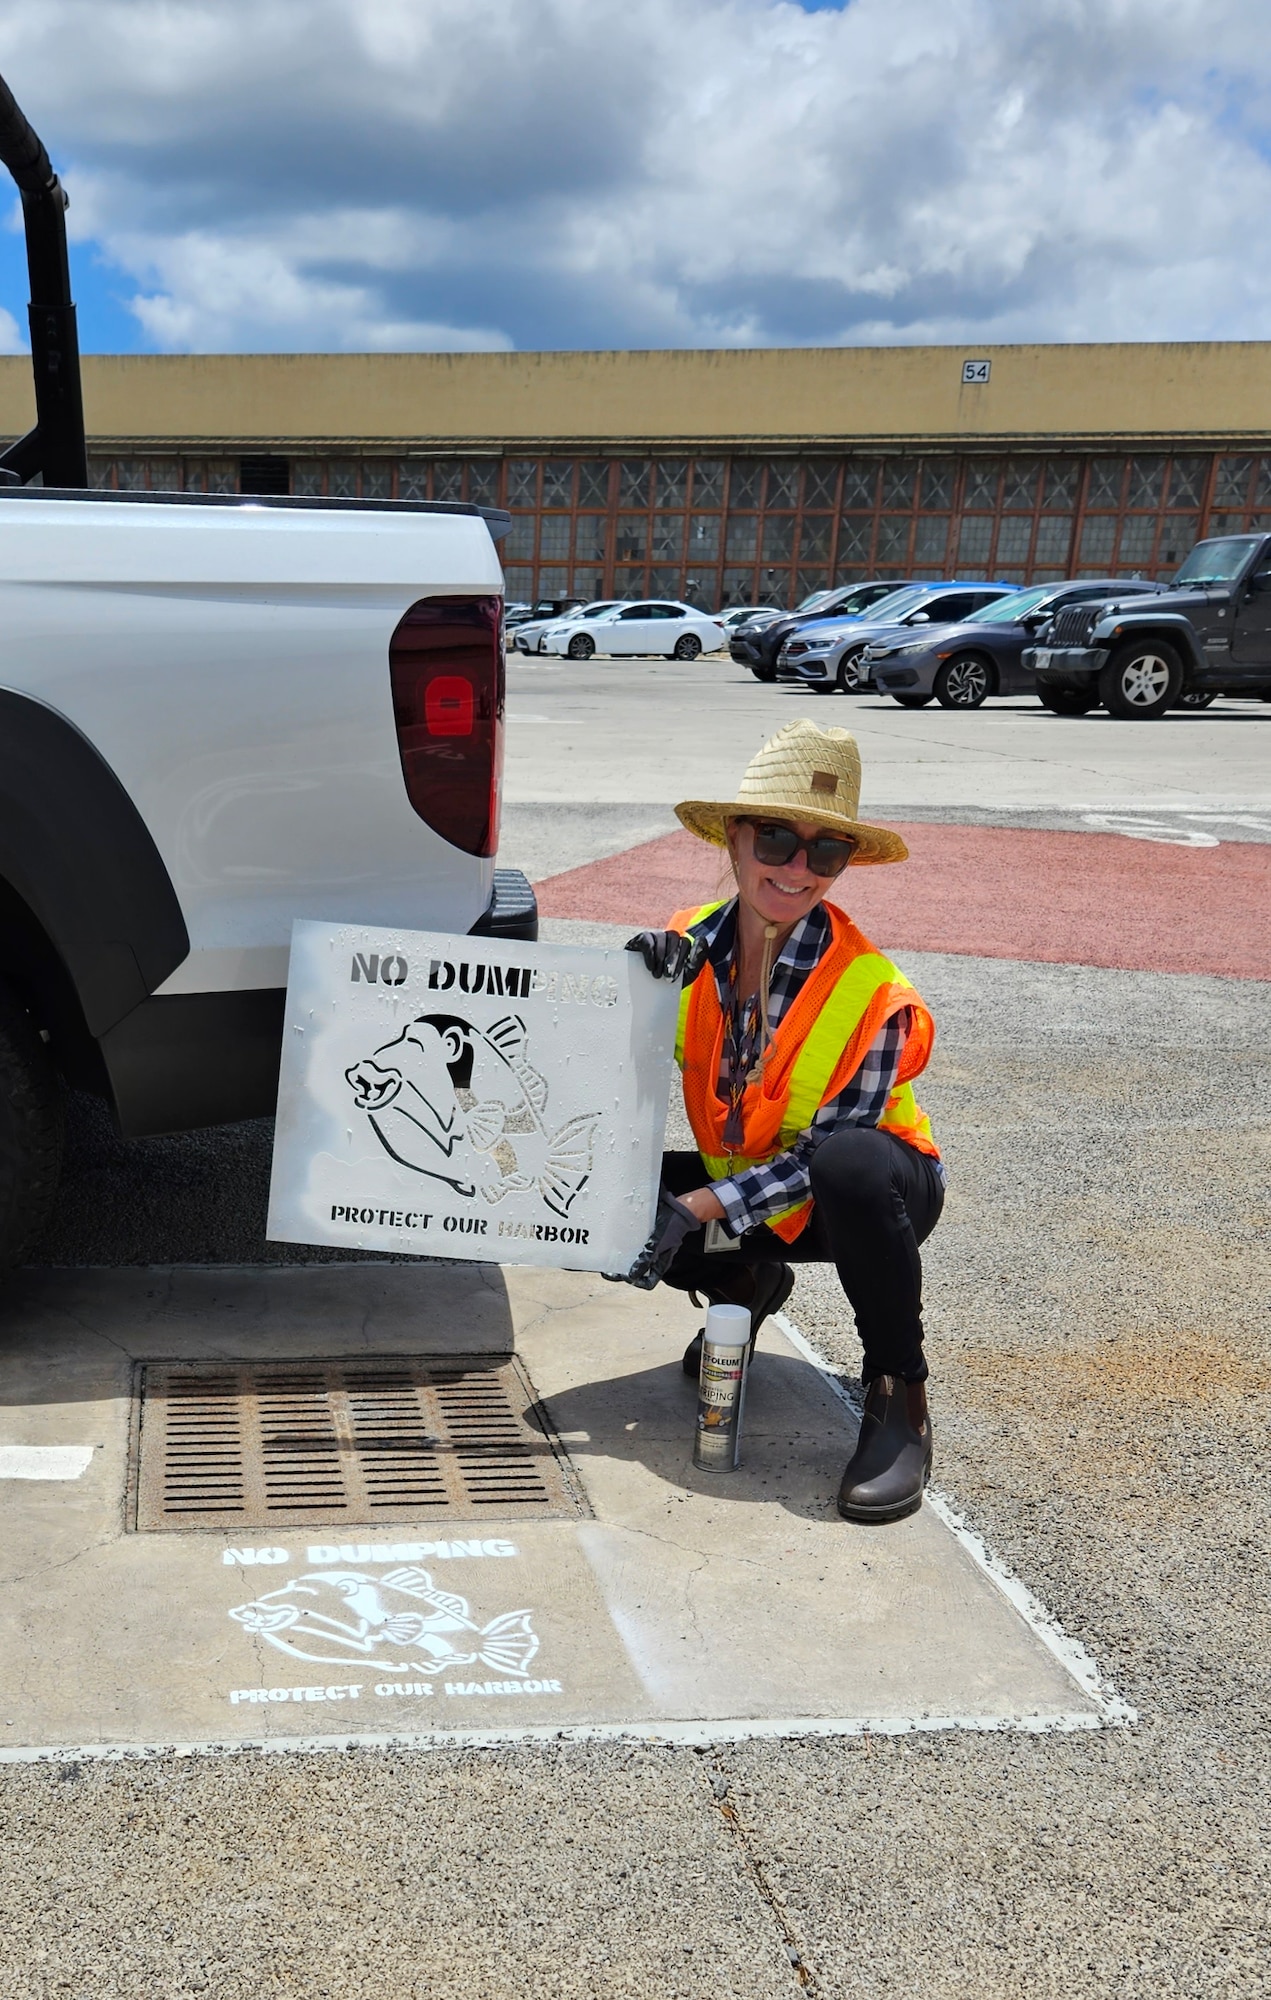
[
  {"x": 681, "y": 1026},
  {"x": 829, "y": 1035}
]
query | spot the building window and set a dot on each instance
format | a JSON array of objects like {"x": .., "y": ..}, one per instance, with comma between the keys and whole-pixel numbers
[
  {"x": 931, "y": 539},
  {"x": 668, "y": 538},
  {"x": 783, "y": 484},
  {"x": 814, "y": 541},
  {"x": 593, "y": 483},
  {"x": 856, "y": 536},
  {"x": 1097, "y": 536},
  {"x": 980, "y": 487},
  {"x": 1054, "y": 539},
  {"x": 898, "y": 484},
  {"x": 893, "y": 540},
  {"x": 523, "y": 482},
  {"x": 632, "y": 542},
  {"x": 974, "y": 542},
  {"x": 1059, "y": 488},
  {"x": 633, "y": 483},
  {"x": 743, "y": 538},
  {"x": 708, "y": 482},
  {"x": 703, "y": 538},
  {"x": 938, "y": 475},
  {"x": 1187, "y": 481},
  {"x": 1107, "y": 476},
  {"x": 745, "y": 483},
  {"x": 819, "y": 482},
  {"x": 1019, "y": 485},
  {"x": 412, "y": 479},
  {"x": 553, "y": 538},
  {"x": 671, "y": 476}
]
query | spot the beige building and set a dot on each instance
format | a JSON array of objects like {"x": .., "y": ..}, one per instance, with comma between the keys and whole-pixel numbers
[{"x": 726, "y": 475}]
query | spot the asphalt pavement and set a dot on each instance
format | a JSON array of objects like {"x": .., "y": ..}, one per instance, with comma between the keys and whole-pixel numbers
[{"x": 1100, "y": 1359}]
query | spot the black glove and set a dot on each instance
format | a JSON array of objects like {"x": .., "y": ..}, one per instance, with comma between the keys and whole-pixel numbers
[
  {"x": 669, "y": 955},
  {"x": 672, "y": 1223}
]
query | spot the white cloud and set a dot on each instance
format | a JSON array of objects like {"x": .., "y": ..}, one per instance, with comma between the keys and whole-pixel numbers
[{"x": 485, "y": 173}]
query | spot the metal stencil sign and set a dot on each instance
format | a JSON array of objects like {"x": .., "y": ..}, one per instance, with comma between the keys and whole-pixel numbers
[{"x": 470, "y": 1097}]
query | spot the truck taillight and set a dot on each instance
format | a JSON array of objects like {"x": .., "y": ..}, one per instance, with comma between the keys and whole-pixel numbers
[{"x": 446, "y": 665}]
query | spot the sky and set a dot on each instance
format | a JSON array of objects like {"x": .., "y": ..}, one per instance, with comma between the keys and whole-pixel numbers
[{"x": 281, "y": 175}]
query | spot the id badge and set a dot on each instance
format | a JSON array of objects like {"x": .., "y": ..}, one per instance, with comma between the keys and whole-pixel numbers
[{"x": 718, "y": 1238}]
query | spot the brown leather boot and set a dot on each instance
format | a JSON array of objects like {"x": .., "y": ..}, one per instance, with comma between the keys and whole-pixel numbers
[
  {"x": 763, "y": 1287},
  {"x": 892, "y": 1461}
]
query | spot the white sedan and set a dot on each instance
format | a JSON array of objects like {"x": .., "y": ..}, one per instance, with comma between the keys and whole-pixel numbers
[
  {"x": 528, "y": 638},
  {"x": 676, "y": 631}
]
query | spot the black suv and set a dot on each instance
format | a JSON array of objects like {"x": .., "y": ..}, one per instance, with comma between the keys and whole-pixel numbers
[
  {"x": 757, "y": 646},
  {"x": 1208, "y": 634}
]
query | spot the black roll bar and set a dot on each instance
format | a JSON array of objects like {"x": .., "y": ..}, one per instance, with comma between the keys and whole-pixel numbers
[{"x": 56, "y": 447}]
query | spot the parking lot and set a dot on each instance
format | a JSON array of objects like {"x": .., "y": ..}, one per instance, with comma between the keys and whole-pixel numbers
[{"x": 1044, "y": 1771}]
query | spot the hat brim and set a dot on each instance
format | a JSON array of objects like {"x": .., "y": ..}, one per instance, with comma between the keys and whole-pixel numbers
[{"x": 707, "y": 819}]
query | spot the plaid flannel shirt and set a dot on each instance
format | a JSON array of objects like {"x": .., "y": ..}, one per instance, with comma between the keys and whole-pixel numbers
[{"x": 758, "y": 1193}]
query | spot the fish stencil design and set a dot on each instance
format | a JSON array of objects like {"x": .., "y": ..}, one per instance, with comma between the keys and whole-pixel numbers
[
  {"x": 344, "y": 1618},
  {"x": 465, "y": 1106}
]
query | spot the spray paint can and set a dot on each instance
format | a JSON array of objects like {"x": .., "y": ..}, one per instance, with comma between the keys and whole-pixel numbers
[{"x": 721, "y": 1390}]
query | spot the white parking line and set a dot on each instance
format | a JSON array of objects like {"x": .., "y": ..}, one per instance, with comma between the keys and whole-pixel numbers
[{"x": 45, "y": 1461}]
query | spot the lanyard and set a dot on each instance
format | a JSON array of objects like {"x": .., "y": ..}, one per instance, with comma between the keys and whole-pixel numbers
[{"x": 741, "y": 1053}]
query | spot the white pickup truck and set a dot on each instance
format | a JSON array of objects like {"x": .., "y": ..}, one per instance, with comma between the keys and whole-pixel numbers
[{"x": 217, "y": 714}]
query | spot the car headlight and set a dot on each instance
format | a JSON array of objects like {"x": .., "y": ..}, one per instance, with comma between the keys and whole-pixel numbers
[{"x": 917, "y": 646}]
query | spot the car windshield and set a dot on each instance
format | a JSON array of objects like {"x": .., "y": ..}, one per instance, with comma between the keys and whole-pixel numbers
[
  {"x": 884, "y": 609},
  {"x": 817, "y": 598},
  {"x": 1009, "y": 610},
  {"x": 1218, "y": 561}
]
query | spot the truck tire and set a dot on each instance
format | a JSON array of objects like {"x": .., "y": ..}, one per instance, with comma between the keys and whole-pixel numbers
[
  {"x": 1141, "y": 681},
  {"x": 32, "y": 1120},
  {"x": 963, "y": 682},
  {"x": 764, "y": 673},
  {"x": 1069, "y": 701},
  {"x": 911, "y": 700},
  {"x": 581, "y": 646}
]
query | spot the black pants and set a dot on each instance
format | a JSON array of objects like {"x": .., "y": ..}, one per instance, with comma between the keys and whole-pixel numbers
[{"x": 876, "y": 1200}]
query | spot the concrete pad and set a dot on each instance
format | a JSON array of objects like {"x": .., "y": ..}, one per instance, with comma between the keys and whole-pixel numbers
[{"x": 690, "y": 1605}]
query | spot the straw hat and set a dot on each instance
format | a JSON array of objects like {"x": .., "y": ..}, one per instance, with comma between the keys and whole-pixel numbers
[{"x": 804, "y": 773}]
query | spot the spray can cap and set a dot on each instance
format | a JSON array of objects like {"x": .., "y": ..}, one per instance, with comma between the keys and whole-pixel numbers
[{"x": 728, "y": 1326}]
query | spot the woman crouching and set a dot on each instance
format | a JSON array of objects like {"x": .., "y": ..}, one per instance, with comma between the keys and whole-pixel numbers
[{"x": 798, "y": 1043}]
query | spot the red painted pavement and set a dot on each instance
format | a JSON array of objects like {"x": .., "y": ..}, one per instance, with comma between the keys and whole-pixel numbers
[{"x": 991, "y": 892}]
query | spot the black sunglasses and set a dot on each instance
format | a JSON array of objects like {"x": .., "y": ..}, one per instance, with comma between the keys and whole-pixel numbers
[{"x": 776, "y": 843}]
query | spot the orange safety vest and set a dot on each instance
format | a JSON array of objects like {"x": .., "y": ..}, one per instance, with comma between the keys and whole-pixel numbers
[{"x": 814, "y": 1053}]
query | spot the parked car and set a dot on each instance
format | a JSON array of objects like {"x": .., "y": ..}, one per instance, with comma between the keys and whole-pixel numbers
[
  {"x": 961, "y": 665},
  {"x": 543, "y": 607},
  {"x": 528, "y": 637},
  {"x": 757, "y": 615},
  {"x": 1208, "y": 633},
  {"x": 651, "y": 626},
  {"x": 833, "y": 655},
  {"x": 756, "y": 645}
]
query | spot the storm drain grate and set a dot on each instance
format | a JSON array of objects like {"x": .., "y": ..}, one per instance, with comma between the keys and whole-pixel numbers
[{"x": 295, "y": 1444}]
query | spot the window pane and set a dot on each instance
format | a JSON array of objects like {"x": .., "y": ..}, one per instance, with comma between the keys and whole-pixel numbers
[
  {"x": 856, "y": 536},
  {"x": 1138, "y": 535},
  {"x": 522, "y": 482},
  {"x": 701, "y": 587},
  {"x": 743, "y": 537},
  {"x": 628, "y": 583},
  {"x": 483, "y": 482},
  {"x": 981, "y": 487},
  {"x": 860, "y": 484},
  {"x": 589, "y": 583},
  {"x": 931, "y": 538},
  {"x": 1147, "y": 480},
  {"x": 973, "y": 542},
  {"x": 165, "y": 475},
  {"x": 593, "y": 483},
  {"x": 1187, "y": 481},
  {"x": 898, "y": 483},
  {"x": 519, "y": 583},
  {"x": 1054, "y": 538},
  {"x": 1106, "y": 477},
  {"x": 377, "y": 479},
  {"x": 131, "y": 475},
  {"x": 558, "y": 482},
  {"x": 1232, "y": 488},
  {"x": 307, "y": 475},
  {"x": 1178, "y": 534},
  {"x": 703, "y": 538},
  {"x": 783, "y": 483},
  {"x": 893, "y": 539},
  {"x": 447, "y": 482},
  {"x": 1059, "y": 488},
  {"x": 744, "y": 483},
  {"x": 412, "y": 479},
  {"x": 633, "y": 483},
  {"x": 1019, "y": 486},
  {"x": 937, "y": 483},
  {"x": 672, "y": 482},
  {"x": 1096, "y": 539},
  {"x": 589, "y": 543},
  {"x": 809, "y": 580},
  {"x": 1013, "y": 537},
  {"x": 819, "y": 480},
  {"x": 664, "y": 582},
  {"x": 778, "y": 538},
  {"x": 739, "y": 586},
  {"x": 221, "y": 476},
  {"x": 1262, "y": 484},
  {"x": 668, "y": 537},
  {"x": 633, "y": 538},
  {"x": 553, "y": 582},
  {"x": 553, "y": 538},
  {"x": 101, "y": 475},
  {"x": 518, "y": 543},
  {"x": 814, "y": 542},
  {"x": 708, "y": 482}
]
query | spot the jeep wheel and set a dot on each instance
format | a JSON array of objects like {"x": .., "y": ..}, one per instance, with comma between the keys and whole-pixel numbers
[
  {"x": 1141, "y": 681},
  {"x": 911, "y": 700},
  {"x": 31, "y": 1124},
  {"x": 963, "y": 682},
  {"x": 848, "y": 679},
  {"x": 764, "y": 673},
  {"x": 1195, "y": 698},
  {"x": 581, "y": 646},
  {"x": 688, "y": 647},
  {"x": 1068, "y": 701}
]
